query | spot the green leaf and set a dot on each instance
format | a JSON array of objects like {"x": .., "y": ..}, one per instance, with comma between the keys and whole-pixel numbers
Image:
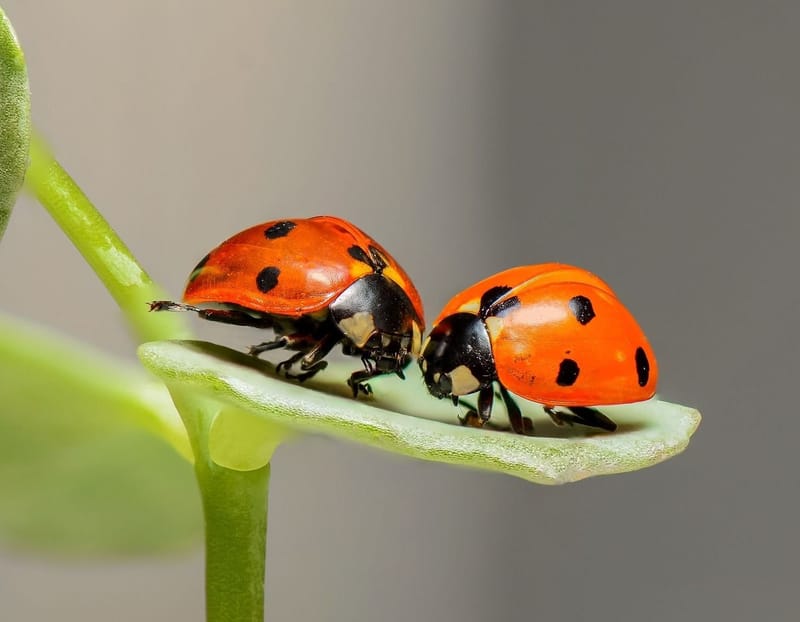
[
  {"x": 82, "y": 467},
  {"x": 15, "y": 119},
  {"x": 401, "y": 417}
]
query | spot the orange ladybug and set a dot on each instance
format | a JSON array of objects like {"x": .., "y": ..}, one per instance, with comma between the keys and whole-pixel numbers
[
  {"x": 551, "y": 333},
  {"x": 315, "y": 282}
]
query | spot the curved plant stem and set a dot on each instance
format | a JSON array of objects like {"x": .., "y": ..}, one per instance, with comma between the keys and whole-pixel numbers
[
  {"x": 102, "y": 248},
  {"x": 234, "y": 502}
]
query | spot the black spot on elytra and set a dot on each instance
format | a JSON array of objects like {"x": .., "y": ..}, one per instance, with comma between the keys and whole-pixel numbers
[
  {"x": 489, "y": 305},
  {"x": 582, "y": 309},
  {"x": 267, "y": 279},
  {"x": 199, "y": 267},
  {"x": 568, "y": 372},
  {"x": 642, "y": 367},
  {"x": 279, "y": 229},
  {"x": 359, "y": 254},
  {"x": 491, "y": 295},
  {"x": 501, "y": 308}
]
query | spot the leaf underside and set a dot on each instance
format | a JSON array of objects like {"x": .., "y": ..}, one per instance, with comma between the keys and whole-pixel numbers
[{"x": 401, "y": 417}]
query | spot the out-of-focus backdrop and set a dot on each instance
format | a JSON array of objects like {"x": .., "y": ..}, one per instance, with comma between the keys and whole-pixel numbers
[{"x": 657, "y": 144}]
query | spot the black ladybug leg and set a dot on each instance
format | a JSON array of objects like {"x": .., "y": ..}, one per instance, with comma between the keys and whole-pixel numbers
[
  {"x": 594, "y": 418},
  {"x": 477, "y": 419},
  {"x": 226, "y": 316},
  {"x": 284, "y": 366},
  {"x": 357, "y": 378},
  {"x": 310, "y": 359},
  {"x": 520, "y": 424},
  {"x": 357, "y": 384},
  {"x": 312, "y": 362},
  {"x": 583, "y": 415},
  {"x": 280, "y": 342},
  {"x": 168, "y": 305},
  {"x": 485, "y": 401},
  {"x": 558, "y": 417}
]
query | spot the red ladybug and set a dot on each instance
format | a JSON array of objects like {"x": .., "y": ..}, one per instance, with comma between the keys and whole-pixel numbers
[
  {"x": 316, "y": 282},
  {"x": 551, "y": 333}
]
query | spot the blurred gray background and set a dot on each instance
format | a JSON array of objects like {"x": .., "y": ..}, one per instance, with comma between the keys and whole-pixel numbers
[{"x": 657, "y": 144}]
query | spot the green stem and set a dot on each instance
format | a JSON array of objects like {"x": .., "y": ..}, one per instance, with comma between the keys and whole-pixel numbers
[
  {"x": 234, "y": 502},
  {"x": 235, "y": 509},
  {"x": 102, "y": 248}
]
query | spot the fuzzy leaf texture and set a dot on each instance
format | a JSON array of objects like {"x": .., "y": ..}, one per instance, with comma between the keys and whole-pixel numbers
[
  {"x": 15, "y": 119},
  {"x": 256, "y": 407}
]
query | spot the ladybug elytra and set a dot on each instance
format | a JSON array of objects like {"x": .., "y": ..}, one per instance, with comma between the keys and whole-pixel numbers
[
  {"x": 316, "y": 282},
  {"x": 551, "y": 333}
]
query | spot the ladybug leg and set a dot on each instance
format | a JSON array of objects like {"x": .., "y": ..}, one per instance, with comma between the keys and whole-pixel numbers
[
  {"x": 310, "y": 357},
  {"x": 558, "y": 417},
  {"x": 284, "y": 366},
  {"x": 477, "y": 419},
  {"x": 520, "y": 424},
  {"x": 357, "y": 378},
  {"x": 312, "y": 362},
  {"x": 592, "y": 417},
  {"x": 284, "y": 341},
  {"x": 299, "y": 340},
  {"x": 583, "y": 415},
  {"x": 226, "y": 316},
  {"x": 168, "y": 305},
  {"x": 280, "y": 342}
]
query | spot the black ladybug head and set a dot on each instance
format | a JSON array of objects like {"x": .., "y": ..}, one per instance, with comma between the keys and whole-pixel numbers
[
  {"x": 378, "y": 321},
  {"x": 457, "y": 357}
]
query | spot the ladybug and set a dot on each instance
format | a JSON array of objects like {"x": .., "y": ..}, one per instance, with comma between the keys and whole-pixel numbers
[
  {"x": 551, "y": 333},
  {"x": 315, "y": 282}
]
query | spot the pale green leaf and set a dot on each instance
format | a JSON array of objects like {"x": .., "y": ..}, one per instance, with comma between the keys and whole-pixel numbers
[{"x": 401, "y": 417}]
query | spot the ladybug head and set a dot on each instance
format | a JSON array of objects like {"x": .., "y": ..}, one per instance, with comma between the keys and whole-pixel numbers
[
  {"x": 378, "y": 321},
  {"x": 457, "y": 357}
]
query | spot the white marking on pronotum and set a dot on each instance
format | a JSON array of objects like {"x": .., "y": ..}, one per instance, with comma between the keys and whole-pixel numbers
[
  {"x": 473, "y": 307},
  {"x": 416, "y": 339},
  {"x": 359, "y": 327},
  {"x": 463, "y": 381},
  {"x": 494, "y": 325}
]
